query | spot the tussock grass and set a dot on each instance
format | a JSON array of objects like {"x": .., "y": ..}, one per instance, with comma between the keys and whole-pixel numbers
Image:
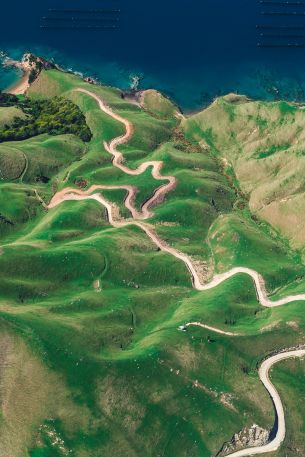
[{"x": 264, "y": 142}]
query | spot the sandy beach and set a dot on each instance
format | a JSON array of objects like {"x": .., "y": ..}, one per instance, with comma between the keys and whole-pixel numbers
[
  {"x": 21, "y": 86},
  {"x": 26, "y": 65}
]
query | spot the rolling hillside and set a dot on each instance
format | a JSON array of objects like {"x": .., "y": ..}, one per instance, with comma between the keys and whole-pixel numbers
[{"x": 92, "y": 362}]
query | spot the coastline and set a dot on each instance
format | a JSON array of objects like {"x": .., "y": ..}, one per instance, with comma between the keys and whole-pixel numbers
[
  {"x": 21, "y": 86},
  {"x": 30, "y": 66}
]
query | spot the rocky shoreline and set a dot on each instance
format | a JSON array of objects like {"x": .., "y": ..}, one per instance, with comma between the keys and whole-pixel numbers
[{"x": 31, "y": 66}]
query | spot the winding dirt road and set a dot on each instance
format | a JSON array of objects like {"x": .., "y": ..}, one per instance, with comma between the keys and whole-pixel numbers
[
  {"x": 118, "y": 159},
  {"x": 209, "y": 327},
  {"x": 77, "y": 194},
  {"x": 69, "y": 194},
  {"x": 278, "y": 406},
  {"x": 263, "y": 372}
]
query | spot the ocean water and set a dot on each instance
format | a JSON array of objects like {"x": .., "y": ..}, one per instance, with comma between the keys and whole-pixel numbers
[{"x": 192, "y": 51}]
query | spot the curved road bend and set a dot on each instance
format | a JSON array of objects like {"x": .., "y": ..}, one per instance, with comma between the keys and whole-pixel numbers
[
  {"x": 263, "y": 372},
  {"x": 73, "y": 194},
  {"x": 118, "y": 158},
  {"x": 278, "y": 406}
]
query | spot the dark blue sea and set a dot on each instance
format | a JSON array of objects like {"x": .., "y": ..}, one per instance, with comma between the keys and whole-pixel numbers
[{"x": 192, "y": 50}]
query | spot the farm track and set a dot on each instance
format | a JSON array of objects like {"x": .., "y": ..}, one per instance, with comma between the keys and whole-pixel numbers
[
  {"x": 69, "y": 194},
  {"x": 113, "y": 217},
  {"x": 264, "y": 370}
]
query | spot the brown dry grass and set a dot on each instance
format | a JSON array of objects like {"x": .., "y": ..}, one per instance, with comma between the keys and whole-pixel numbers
[
  {"x": 44, "y": 86},
  {"x": 154, "y": 102},
  {"x": 30, "y": 393},
  {"x": 120, "y": 404},
  {"x": 265, "y": 145}
]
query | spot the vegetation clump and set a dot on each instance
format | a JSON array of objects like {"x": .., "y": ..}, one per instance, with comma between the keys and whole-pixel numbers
[
  {"x": 7, "y": 99},
  {"x": 183, "y": 144},
  {"x": 56, "y": 116}
]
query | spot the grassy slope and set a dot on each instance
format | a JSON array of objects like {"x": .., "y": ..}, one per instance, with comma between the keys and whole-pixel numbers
[
  {"x": 264, "y": 144},
  {"x": 8, "y": 114},
  {"x": 158, "y": 105},
  {"x": 115, "y": 350}
]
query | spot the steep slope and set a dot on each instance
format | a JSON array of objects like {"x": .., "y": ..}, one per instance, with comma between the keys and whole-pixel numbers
[{"x": 263, "y": 145}]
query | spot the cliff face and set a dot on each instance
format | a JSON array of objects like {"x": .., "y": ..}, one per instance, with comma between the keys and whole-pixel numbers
[
  {"x": 30, "y": 61},
  {"x": 247, "y": 437},
  {"x": 34, "y": 65}
]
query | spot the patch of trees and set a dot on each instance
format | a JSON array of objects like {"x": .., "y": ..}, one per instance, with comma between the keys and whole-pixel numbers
[
  {"x": 8, "y": 99},
  {"x": 54, "y": 116},
  {"x": 33, "y": 75}
]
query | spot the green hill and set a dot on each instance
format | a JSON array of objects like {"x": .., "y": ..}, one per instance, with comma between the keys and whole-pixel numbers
[
  {"x": 263, "y": 144},
  {"x": 8, "y": 114},
  {"x": 91, "y": 359}
]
